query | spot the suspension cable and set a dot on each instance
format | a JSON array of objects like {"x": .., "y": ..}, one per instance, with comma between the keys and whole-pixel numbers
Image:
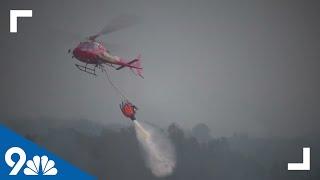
[{"x": 117, "y": 89}]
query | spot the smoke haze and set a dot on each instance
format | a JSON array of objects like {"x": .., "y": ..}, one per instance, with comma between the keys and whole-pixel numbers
[
  {"x": 113, "y": 152},
  {"x": 238, "y": 66}
]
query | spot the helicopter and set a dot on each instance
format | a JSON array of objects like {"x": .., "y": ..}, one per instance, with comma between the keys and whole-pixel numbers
[{"x": 93, "y": 54}]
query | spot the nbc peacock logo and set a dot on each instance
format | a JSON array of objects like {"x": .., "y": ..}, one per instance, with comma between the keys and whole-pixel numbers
[{"x": 40, "y": 166}]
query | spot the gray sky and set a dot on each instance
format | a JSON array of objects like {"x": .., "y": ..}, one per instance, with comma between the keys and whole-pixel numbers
[{"x": 238, "y": 66}]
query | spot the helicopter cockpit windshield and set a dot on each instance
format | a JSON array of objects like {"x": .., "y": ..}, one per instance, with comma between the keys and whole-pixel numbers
[{"x": 89, "y": 46}]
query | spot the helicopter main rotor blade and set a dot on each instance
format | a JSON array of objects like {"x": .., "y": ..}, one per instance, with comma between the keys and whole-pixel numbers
[{"x": 121, "y": 22}]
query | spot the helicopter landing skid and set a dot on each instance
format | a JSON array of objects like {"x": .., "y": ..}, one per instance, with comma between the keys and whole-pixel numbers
[{"x": 86, "y": 69}]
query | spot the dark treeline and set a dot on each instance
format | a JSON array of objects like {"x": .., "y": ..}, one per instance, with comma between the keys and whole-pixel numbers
[{"x": 113, "y": 152}]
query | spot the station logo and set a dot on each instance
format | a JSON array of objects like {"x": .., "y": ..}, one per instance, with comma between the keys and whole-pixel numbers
[
  {"x": 33, "y": 165},
  {"x": 20, "y": 158}
]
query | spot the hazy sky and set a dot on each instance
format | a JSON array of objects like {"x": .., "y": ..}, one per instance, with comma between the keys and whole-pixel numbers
[{"x": 238, "y": 66}]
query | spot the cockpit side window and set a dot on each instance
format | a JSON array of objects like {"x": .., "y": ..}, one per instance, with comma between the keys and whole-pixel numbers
[
  {"x": 84, "y": 46},
  {"x": 89, "y": 46}
]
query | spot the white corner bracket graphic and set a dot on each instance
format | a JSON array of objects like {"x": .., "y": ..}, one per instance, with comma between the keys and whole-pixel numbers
[
  {"x": 14, "y": 14},
  {"x": 305, "y": 165}
]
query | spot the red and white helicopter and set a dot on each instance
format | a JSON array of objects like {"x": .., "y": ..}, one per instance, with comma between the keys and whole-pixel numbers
[{"x": 95, "y": 55}]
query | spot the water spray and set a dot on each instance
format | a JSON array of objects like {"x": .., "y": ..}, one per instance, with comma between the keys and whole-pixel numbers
[
  {"x": 142, "y": 131},
  {"x": 158, "y": 151}
]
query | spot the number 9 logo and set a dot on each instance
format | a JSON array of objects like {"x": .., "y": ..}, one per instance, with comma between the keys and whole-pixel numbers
[{"x": 16, "y": 166}]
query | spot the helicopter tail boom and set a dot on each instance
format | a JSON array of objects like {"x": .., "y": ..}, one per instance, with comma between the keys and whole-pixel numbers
[{"x": 134, "y": 65}]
